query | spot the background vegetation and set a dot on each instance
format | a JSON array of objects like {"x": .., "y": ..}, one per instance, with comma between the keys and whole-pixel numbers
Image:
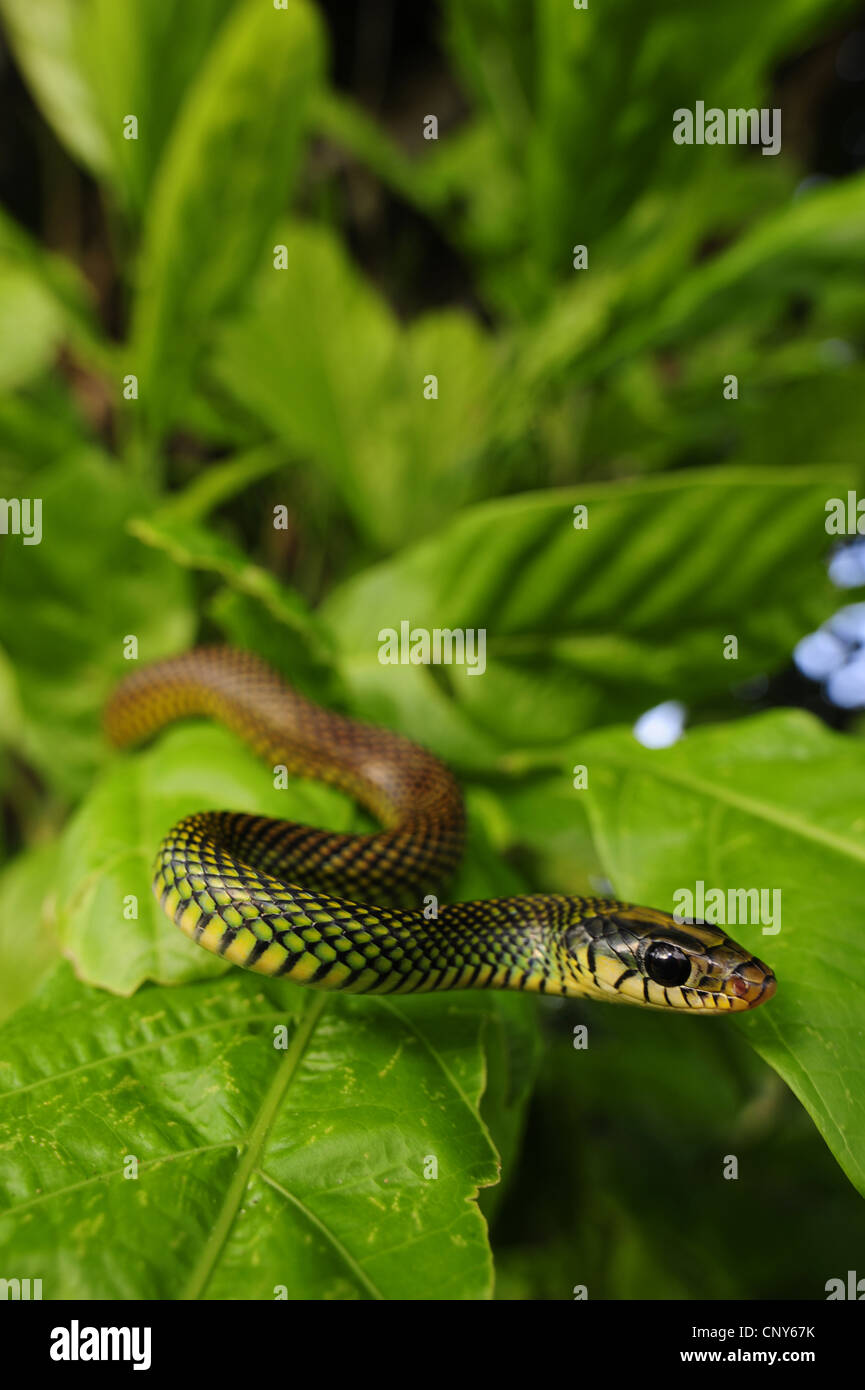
[{"x": 303, "y": 388}]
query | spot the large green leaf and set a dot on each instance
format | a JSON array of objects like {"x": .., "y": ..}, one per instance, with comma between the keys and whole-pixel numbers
[
  {"x": 36, "y": 429},
  {"x": 28, "y": 940},
  {"x": 92, "y": 63},
  {"x": 648, "y": 293},
  {"x": 44, "y": 301},
  {"x": 85, "y": 589},
  {"x": 46, "y": 42},
  {"x": 221, "y": 184},
  {"x": 772, "y": 802},
  {"x": 138, "y": 60},
  {"x": 543, "y": 76},
  {"x": 813, "y": 415},
  {"x": 259, "y": 612},
  {"x": 794, "y": 251},
  {"x": 193, "y": 546},
  {"x": 300, "y": 1171},
  {"x": 30, "y": 328},
  {"x": 320, "y": 358},
  {"x": 594, "y": 623}
]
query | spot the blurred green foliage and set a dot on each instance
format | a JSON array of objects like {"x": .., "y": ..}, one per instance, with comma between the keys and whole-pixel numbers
[{"x": 302, "y": 388}]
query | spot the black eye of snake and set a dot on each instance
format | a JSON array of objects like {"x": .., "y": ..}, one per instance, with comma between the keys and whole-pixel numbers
[{"x": 666, "y": 964}]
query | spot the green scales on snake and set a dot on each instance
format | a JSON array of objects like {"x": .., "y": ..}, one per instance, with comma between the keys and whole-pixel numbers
[{"x": 334, "y": 910}]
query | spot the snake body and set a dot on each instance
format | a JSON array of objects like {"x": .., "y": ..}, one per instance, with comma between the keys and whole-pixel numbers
[{"x": 357, "y": 912}]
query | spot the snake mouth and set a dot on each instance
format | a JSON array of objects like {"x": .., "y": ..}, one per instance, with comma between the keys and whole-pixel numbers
[
  {"x": 752, "y": 983},
  {"x": 745, "y": 986}
]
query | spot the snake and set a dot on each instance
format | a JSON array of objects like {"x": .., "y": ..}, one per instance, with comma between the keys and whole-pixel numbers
[{"x": 360, "y": 912}]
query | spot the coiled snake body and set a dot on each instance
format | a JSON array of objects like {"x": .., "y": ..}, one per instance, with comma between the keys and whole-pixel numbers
[{"x": 331, "y": 910}]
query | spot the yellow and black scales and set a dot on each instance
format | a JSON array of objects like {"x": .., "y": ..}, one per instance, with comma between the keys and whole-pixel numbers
[{"x": 331, "y": 910}]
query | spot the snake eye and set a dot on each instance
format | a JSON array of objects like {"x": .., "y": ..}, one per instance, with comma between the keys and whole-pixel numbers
[{"x": 666, "y": 964}]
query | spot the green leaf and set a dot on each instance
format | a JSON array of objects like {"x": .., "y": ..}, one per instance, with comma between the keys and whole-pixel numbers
[
  {"x": 542, "y": 78},
  {"x": 540, "y": 823},
  {"x": 401, "y": 461},
  {"x": 819, "y": 414},
  {"x": 224, "y": 178},
  {"x": 298, "y": 643},
  {"x": 219, "y": 483},
  {"x": 648, "y": 292},
  {"x": 794, "y": 251},
  {"x": 11, "y": 713},
  {"x": 30, "y": 328},
  {"x": 28, "y": 940},
  {"x": 36, "y": 429},
  {"x": 139, "y": 61},
  {"x": 45, "y": 40},
  {"x": 194, "y": 547},
  {"x": 43, "y": 301},
  {"x": 260, "y": 1168},
  {"x": 92, "y": 63},
  {"x": 594, "y": 624},
  {"x": 84, "y": 589},
  {"x": 773, "y": 802}
]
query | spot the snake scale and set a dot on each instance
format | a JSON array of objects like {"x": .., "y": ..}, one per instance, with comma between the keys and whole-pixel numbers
[{"x": 346, "y": 911}]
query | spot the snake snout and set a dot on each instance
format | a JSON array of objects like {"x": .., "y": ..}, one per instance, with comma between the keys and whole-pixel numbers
[
  {"x": 751, "y": 983},
  {"x": 733, "y": 979}
]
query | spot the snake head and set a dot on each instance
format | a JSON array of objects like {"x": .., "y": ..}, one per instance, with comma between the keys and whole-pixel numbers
[{"x": 641, "y": 956}]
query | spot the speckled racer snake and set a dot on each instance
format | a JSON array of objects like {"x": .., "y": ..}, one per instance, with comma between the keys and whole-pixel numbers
[{"x": 345, "y": 911}]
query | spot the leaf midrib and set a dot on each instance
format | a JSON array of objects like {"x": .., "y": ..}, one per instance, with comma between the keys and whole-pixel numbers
[{"x": 252, "y": 1150}]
